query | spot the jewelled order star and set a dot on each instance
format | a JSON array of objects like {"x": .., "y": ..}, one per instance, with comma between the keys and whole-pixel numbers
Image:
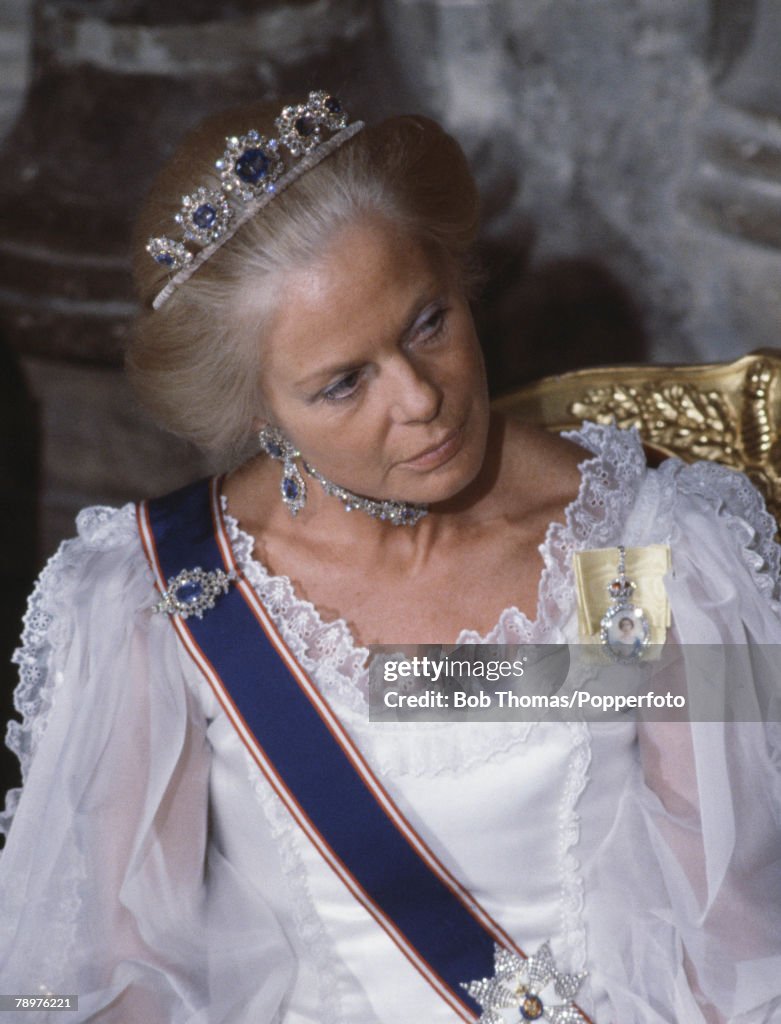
[{"x": 517, "y": 984}]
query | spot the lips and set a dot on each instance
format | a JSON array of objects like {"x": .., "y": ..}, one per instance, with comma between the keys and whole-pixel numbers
[{"x": 438, "y": 453}]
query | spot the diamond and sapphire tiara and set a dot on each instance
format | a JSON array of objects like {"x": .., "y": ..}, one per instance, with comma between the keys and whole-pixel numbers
[{"x": 252, "y": 171}]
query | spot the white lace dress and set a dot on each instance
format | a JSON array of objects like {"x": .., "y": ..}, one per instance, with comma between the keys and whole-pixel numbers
[{"x": 151, "y": 870}]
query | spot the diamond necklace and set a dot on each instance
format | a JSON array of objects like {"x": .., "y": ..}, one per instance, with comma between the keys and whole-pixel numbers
[{"x": 399, "y": 513}]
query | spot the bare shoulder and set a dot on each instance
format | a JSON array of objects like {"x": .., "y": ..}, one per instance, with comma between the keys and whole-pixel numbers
[{"x": 545, "y": 465}]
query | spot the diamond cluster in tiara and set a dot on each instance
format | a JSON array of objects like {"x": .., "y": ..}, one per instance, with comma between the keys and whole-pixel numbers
[{"x": 251, "y": 171}]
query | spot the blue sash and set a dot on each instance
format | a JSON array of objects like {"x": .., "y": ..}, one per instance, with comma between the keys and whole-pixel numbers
[{"x": 313, "y": 765}]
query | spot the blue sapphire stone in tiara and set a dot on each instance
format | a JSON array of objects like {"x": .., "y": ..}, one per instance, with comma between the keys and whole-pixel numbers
[
  {"x": 301, "y": 127},
  {"x": 168, "y": 253},
  {"x": 252, "y": 166},
  {"x": 249, "y": 165},
  {"x": 204, "y": 216}
]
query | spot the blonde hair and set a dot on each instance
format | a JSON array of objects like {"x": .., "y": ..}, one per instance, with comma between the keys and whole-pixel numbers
[{"x": 194, "y": 362}]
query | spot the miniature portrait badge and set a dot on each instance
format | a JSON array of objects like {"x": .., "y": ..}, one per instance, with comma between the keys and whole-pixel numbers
[{"x": 624, "y": 628}]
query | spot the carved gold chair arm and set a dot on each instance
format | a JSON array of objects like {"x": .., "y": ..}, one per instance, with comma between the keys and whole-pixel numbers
[{"x": 726, "y": 412}]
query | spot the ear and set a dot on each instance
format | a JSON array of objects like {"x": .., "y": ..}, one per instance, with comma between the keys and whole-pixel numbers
[{"x": 258, "y": 423}]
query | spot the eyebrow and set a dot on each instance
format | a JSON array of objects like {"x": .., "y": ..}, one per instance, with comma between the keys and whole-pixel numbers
[{"x": 325, "y": 373}]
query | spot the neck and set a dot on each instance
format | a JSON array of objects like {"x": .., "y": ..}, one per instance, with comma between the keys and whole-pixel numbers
[{"x": 254, "y": 498}]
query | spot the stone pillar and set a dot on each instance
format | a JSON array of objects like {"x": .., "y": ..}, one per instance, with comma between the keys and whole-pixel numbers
[{"x": 114, "y": 86}]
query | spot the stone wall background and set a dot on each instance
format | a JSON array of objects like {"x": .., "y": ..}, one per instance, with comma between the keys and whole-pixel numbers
[{"x": 628, "y": 152}]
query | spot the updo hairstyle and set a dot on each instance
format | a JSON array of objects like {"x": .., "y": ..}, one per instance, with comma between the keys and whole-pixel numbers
[{"x": 195, "y": 361}]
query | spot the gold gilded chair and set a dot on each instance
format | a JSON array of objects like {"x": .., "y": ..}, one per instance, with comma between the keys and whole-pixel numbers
[{"x": 726, "y": 412}]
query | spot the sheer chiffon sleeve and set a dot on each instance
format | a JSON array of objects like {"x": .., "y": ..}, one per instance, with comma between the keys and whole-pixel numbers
[
  {"x": 707, "y": 807},
  {"x": 110, "y": 885}
]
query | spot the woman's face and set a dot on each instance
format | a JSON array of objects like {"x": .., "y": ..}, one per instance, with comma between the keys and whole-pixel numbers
[{"x": 372, "y": 368}]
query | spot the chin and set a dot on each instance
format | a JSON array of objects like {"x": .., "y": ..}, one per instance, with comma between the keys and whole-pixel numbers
[{"x": 446, "y": 481}]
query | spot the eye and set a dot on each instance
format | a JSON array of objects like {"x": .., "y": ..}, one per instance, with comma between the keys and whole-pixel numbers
[
  {"x": 343, "y": 388},
  {"x": 431, "y": 323}
]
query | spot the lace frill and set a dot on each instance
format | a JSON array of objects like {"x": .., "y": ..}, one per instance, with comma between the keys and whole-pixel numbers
[
  {"x": 742, "y": 508},
  {"x": 46, "y": 625},
  {"x": 572, "y": 893}
]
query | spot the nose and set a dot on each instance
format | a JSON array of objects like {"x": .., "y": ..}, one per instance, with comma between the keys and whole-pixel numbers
[{"x": 416, "y": 397}]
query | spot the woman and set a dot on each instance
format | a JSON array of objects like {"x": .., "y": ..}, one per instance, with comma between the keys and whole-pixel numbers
[{"x": 211, "y": 829}]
